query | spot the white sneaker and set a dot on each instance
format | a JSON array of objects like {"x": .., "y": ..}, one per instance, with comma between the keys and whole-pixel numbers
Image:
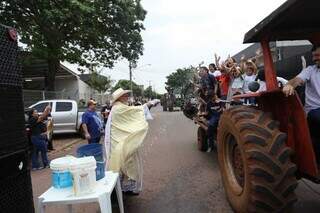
[{"x": 209, "y": 149}]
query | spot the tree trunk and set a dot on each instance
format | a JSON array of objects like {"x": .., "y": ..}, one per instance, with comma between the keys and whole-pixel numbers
[{"x": 53, "y": 67}]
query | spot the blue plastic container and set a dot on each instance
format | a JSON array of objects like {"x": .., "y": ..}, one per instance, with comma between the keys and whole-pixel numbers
[
  {"x": 61, "y": 176},
  {"x": 95, "y": 150},
  {"x": 61, "y": 179}
]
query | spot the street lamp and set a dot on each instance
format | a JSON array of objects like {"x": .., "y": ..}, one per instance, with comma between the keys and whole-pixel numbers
[{"x": 131, "y": 67}]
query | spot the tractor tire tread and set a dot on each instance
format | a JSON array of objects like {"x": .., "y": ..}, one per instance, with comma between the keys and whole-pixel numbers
[{"x": 271, "y": 173}]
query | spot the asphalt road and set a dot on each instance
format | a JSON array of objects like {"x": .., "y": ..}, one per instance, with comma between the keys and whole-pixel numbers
[{"x": 177, "y": 177}]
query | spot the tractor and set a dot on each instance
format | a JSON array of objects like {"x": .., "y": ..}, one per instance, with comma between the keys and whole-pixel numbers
[{"x": 264, "y": 150}]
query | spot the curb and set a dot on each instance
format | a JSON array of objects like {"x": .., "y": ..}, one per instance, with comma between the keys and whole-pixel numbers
[{"x": 67, "y": 145}]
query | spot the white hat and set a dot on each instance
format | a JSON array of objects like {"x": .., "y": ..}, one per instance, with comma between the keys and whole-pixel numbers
[{"x": 118, "y": 93}]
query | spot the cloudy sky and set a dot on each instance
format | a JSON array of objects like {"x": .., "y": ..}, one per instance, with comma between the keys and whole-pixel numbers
[{"x": 180, "y": 33}]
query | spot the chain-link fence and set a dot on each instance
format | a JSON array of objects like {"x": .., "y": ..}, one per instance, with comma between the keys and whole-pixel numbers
[
  {"x": 99, "y": 98},
  {"x": 33, "y": 96}
]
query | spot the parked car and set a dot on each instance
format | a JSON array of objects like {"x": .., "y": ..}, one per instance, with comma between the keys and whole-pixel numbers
[{"x": 65, "y": 113}]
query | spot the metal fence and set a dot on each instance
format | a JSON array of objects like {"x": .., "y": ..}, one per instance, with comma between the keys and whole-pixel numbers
[{"x": 33, "y": 96}]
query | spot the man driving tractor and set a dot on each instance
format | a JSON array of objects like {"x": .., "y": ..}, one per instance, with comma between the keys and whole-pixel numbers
[{"x": 310, "y": 76}]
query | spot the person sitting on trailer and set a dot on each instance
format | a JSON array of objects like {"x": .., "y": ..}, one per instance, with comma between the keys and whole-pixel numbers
[
  {"x": 224, "y": 79},
  {"x": 206, "y": 89},
  {"x": 248, "y": 77},
  {"x": 208, "y": 83},
  {"x": 214, "y": 71},
  {"x": 310, "y": 77},
  {"x": 214, "y": 109},
  {"x": 262, "y": 81}
]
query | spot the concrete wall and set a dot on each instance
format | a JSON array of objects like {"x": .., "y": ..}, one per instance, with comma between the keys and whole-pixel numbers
[
  {"x": 69, "y": 86},
  {"x": 85, "y": 91}
]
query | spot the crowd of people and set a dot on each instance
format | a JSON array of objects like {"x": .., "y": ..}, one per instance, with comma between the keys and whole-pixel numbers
[{"x": 217, "y": 84}]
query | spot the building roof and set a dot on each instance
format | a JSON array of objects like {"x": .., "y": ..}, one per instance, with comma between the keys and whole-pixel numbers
[
  {"x": 294, "y": 20},
  {"x": 38, "y": 68},
  {"x": 85, "y": 77},
  {"x": 250, "y": 51}
]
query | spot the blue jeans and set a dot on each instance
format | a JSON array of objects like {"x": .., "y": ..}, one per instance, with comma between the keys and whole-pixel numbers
[
  {"x": 39, "y": 145},
  {"x": 212, "y": 128},
  {"x": 94, "y": 140},
  {"x": 250, "y": 100},
  {"x": 314, "y": 127}
]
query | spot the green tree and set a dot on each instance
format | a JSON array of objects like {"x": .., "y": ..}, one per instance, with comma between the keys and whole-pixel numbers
[
  {"x": 99, "y": 82},
  {"x": 179, "y": 80},
  {"x": 148, "y": 93},
  {"x": 125, "y": 84},
  {"x": 78, "y": 31}
]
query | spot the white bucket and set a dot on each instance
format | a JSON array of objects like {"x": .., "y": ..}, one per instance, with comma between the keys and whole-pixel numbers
[
  {"x": 61, "y": 176},
  {"x": 83, "y": 175}
]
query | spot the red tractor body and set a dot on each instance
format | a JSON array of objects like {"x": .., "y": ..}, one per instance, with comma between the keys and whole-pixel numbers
[
  {"x": 294, "y": 20},
  {"x": 264, "y": 149}
]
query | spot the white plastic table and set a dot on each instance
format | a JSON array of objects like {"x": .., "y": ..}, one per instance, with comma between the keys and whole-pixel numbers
[{"x": 101, "y": 195}]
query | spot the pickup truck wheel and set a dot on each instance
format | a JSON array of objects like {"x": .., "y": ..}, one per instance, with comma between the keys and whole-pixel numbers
[
  {"x": 202, "y": 141},
  {"x": 255, "y": 165}
]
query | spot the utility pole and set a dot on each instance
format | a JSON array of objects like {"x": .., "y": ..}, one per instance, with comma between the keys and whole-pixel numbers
[
  {"x": 131, "y": 67},
  {"x": 154, "y": 90},
  {"x": 130, "y": 75},
  {"x": 150, "y": 89}
]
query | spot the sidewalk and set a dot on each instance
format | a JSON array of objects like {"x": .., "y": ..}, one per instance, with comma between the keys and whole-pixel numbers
[
  {"x": 63, "y": 142},
  {"x": 41, "y": 179}
]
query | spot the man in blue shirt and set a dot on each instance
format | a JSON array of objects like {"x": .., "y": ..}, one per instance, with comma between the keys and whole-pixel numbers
[{"x": 91, "y": 123}]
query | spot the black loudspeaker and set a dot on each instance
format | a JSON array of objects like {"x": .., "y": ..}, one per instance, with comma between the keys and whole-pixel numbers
[
  {"x": 10, "y": 71},
  {"x": 15, "y": 184},
  {"x": 12, "y": 131},
  {"x": 15, "y": 180}
]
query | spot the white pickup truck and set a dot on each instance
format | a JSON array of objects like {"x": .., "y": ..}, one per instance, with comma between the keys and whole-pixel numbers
[{"x": 65, "y": 113}]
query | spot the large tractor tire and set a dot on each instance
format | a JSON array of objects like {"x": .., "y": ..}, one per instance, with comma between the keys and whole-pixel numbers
[
  {"x": 202, "y": 141},
  {"x": 256, "y": 170}
]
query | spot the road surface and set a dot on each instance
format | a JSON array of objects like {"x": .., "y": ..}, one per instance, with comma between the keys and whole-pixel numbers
[{"x": 177, "y": 177}]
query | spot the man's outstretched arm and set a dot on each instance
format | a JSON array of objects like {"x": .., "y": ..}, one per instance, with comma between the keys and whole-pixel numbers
[{"x": 289, "y": 88}]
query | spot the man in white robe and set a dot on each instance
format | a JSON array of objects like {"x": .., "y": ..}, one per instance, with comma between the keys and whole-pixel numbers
[{"x": 126, "y": 129}]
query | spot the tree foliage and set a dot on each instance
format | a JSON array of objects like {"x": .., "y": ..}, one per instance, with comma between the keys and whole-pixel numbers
[
  {"x": 179, "y": 80},
  {"x": 125, "y": 84},
  {"x": 78, "y": 31},
  {"x": 99, "y": 82},
  {"x": 149, "y": 93}
]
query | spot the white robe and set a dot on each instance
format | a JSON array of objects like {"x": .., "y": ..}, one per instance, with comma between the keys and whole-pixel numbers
[{"x": 126, "y": 129}]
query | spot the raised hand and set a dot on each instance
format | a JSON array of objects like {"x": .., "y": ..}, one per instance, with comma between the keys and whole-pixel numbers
[{"x": 217, "y": 59}]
